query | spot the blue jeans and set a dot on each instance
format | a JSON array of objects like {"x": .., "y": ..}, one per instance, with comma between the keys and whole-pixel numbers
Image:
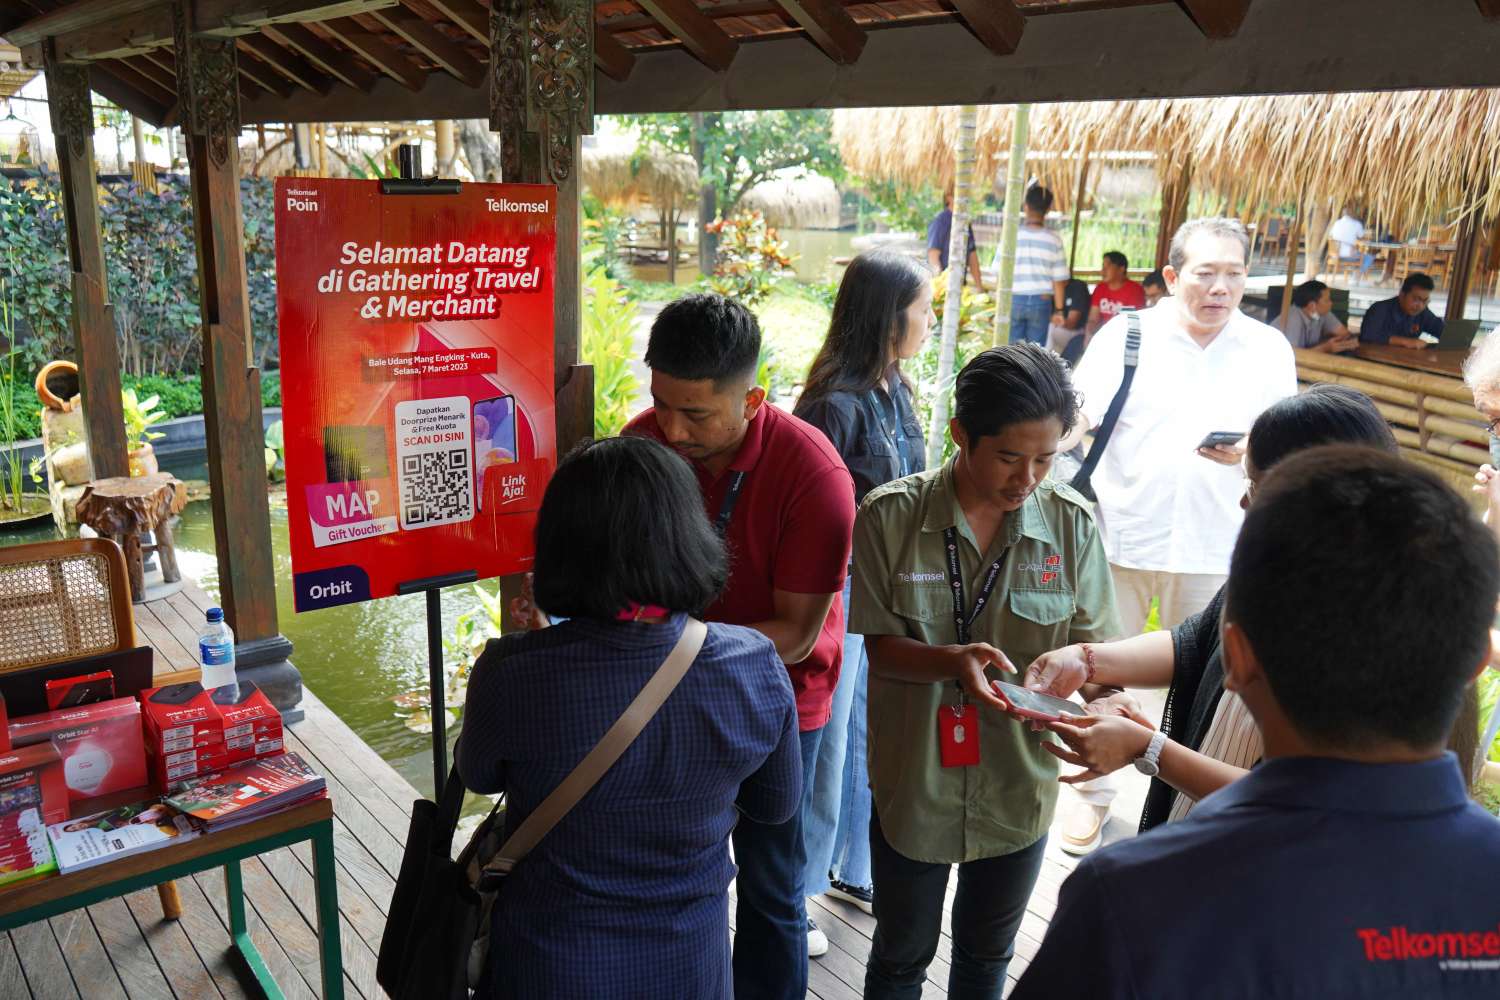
[
  {"x": 987, "y": 911},
  {"x": 1030, "y": 316},
  {"x": 838, "y": 822},
  {"x": 770, "y": 940}
]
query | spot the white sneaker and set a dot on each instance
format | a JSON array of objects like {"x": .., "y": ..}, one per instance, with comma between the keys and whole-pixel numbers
[{"x": 817, "y": 941}]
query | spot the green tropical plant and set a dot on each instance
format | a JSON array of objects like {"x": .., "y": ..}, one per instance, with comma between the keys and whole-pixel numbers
[
  {"x": 12, "y": 482},
  {"x": 275, "y": 452},
  {"x": 609, "y": 318},
  {"x": 976, "y": 318},
  {"x": 605, "y": 228},
  {"x": 462, "y": 645},
  {"x": 1487, "y": 685},
  {"x": 752, "y": 258},
  {"x": 35, "y": 237},
  {"x": 140, "y": 414}
]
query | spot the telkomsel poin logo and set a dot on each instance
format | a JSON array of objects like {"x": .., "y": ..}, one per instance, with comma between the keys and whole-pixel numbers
[{"x": 1457, "y": 950}]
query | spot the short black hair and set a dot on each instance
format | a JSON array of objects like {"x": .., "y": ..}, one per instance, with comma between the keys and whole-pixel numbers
[
  {"x": 1417, "y": 280},
  {"x": 1012, "y": 385},
  {"x": 704, "y": 336},
  {"x": 1366, "y": 588},
  {"x": 622, "y": 522},
  {"x": 1324, "y": 414},
  {"x": 1039, "y": 199},
  {"x": 1118, "y": 259},
  {"x": 1307, "y": 293},
  {"x": 1155, "y": 278}
]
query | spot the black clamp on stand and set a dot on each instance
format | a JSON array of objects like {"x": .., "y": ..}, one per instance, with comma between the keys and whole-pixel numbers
[{"x": 409, "y": 162}]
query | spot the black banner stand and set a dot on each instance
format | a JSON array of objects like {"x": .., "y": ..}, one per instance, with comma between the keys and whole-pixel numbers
[{"x": 409, "y": 162}]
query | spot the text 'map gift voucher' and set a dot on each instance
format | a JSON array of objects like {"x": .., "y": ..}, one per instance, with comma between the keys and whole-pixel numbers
[{"x": 416, "y": 381}]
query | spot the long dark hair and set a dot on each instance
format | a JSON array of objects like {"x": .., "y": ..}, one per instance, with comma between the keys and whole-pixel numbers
[
  {"x": 860, "y": 347},
  {"x": 622, "y": 521},
  {"x": 1324, "y": 414}
]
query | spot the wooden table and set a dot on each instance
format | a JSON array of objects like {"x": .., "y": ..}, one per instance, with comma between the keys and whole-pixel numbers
[
  {"x": 46, "y": 896},
  {"x": 125, "y": 507},
  {"x": 1450, "y": 363}
]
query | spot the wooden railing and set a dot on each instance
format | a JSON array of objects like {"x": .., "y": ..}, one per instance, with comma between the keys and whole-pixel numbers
[{"x": 1432, "y": 416}]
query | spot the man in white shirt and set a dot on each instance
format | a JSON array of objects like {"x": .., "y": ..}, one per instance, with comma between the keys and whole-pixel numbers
[
  {"x": 1168, "y": 509},
  {"x": 1346, "y": 230}
]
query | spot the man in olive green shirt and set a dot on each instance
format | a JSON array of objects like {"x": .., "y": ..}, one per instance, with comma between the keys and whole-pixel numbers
[{"x": 1029, "y": 559}]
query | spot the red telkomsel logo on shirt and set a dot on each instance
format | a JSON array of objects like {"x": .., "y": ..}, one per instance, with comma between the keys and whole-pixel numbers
[{"x": 1397, "y": 944}]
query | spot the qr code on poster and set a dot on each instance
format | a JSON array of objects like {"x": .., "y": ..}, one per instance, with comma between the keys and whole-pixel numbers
[{"x": 435, "y": 487}]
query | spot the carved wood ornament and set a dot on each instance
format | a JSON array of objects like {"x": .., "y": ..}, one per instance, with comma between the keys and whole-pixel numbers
[
  {"x": 208, "y": 84},
  {"x": 541, "y": 80},
  {"x": 71, "y": 103}
]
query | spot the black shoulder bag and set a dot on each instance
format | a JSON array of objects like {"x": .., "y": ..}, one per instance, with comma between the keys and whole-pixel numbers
[{"x": 1083, "y": 481}]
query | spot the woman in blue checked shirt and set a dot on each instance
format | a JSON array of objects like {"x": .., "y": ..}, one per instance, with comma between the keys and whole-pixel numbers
[
  {"x": 627, "y": 897},
  {"x": 858, "y": 396}
]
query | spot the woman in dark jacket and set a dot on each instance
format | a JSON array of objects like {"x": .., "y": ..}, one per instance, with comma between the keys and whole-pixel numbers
[
  {"x": 857, "y": 395},
  {"x": 1210, "y": 738},
  {"x": 628, "y": 895}
]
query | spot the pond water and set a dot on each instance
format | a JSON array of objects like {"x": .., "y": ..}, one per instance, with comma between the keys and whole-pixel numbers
[
  {"x": 813, "y": 251},
  {"x": 356, "y": 658}
]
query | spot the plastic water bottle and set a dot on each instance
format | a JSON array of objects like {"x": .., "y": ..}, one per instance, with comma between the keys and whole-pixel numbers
[{"x": 216, "y": 650}]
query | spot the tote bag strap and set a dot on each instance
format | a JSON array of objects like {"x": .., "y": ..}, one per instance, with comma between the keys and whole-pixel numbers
[
  {"x": 608, "y": 750},
  {"x": 1112, "y": 416}
]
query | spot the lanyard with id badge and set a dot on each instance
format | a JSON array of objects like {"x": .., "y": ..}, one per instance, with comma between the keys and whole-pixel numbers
[{"x": 958, "y": 725}]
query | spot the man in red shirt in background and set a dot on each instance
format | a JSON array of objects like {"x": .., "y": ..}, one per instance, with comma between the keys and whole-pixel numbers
[
  {"x": 1115, "y": 293},
  {"x": 784, "y": 501}
]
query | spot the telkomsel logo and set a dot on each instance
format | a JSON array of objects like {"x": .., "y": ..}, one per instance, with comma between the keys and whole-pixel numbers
[{"x": 1397, "y": 944}]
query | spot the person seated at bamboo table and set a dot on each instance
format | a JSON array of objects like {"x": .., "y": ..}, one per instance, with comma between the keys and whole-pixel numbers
[
  {"x": 1311, "y": 324},
  {"x": 1400, "y": 321}
]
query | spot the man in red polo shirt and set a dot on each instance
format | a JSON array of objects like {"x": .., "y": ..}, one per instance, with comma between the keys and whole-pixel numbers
[{"x": 782, "y": 498}]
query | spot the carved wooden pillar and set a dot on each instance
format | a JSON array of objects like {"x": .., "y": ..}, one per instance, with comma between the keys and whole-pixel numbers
[
  {"x": 541, "y": 99},
  {"x": 93, "y": 316},
  {"x": 207, "y": 75}
]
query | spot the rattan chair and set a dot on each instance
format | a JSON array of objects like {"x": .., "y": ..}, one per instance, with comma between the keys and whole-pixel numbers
[{"x": 62, "y": 601}]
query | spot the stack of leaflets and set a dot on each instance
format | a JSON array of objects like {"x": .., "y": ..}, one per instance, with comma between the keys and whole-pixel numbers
[
  {"x": 23, "y": 846},
  {"x": 245, "y": 793},
  {"x": 118, "y": 833}
]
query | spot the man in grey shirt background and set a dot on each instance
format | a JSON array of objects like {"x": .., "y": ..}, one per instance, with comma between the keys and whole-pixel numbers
[{"x": 1311, "y": 323}]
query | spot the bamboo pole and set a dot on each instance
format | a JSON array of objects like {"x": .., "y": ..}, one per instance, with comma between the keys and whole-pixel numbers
[
  {"x": 958, "y": 264},
  {"x": 1083, "y": 180},
  {"x": 1466, "y": 251},
  {"x": 1432, "y": 385},
  {"x": 1015, "y": 188},
  {"x": 1291, "y": 259}
]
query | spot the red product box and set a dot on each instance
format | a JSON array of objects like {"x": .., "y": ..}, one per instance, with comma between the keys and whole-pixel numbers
[
  {"x": 32, "y": 778},
  {"x": 85, "y": 689},
  {"x": 4, "y": 727},
  {"x": 246, "y": 711},
  {"x": 100, "y": 745},
  {"x": 181, "y": 716}
]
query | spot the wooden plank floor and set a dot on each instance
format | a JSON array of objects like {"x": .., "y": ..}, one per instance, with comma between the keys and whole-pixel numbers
[{"x": 123, "y": 949}]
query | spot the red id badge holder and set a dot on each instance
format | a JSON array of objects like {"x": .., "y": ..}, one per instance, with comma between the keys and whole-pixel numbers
[{"x": 958, "y": 734}]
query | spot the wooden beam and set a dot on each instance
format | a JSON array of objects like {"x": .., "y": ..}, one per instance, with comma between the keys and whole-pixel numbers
[
  {"x": 1489, "y": 8},
  {"x": 708, "y": 42},
  {"x": 264, "y": 75},
  {"x": 1217, "y": 18},
  {"x": 98, "y": 353},
  {"x": 322, "y": 55},
  {"x": 77, "y": 16},
  {"x": 230, "y": 17},
  {"x": 996, "y": 23},
  {"x": 288, "y": 64},
  {"x": 380, "y": 55},
  {"x": 139, "y": 82},
  {"x": 153, "y": 71},
  {"x": 613, "y": 59},
  {"x": 428, "y": 40},
  {"x": 468, "y": 15},
  {"x": 829, "y": 26}
]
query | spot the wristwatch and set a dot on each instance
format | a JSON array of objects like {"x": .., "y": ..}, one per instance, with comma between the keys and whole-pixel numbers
[{"x": 1146, "y": 763}]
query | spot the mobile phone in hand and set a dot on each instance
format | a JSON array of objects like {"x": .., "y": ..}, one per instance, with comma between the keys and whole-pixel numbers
[
  {"x": 1216, "y": 438},
  {"x": 1035, "y": 704}
]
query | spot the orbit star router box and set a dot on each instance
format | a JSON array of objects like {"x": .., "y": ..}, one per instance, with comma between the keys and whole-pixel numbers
[
  {"x": 100, "y": 745},
  {"x": 417, "y": 381}
]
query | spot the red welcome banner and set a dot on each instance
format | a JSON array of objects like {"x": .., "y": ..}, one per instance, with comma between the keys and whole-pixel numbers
[{"x": 416, "y": 381}]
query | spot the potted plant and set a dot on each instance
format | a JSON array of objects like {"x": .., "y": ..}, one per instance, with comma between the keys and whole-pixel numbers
[
  {"x": 140, "y": 414},
  {"x": 16, "y": 502}
]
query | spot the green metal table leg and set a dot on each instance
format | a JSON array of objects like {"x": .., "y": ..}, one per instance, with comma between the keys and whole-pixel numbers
[
  {"x": 234, "y": 891},
  {"x": 328, "y": 912}
]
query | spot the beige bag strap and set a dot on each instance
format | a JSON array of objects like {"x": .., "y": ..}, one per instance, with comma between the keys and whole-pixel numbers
[{"x": 608, "y": 750}]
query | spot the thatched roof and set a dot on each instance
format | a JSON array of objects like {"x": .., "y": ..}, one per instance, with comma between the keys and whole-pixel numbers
[
  {"x": 1404, "y": 155},
  {"x": 808, "y": 202},
  {"x": 630, "y": 177}
]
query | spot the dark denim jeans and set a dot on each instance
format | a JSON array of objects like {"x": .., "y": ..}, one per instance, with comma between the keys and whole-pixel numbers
[
  {"x": 1030, "y": 318},
  {"x": 987, "y": 911},
  {"x": 770, "y": 918}
]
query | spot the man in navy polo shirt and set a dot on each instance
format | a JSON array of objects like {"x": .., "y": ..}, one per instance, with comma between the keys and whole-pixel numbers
[
  {"x": 784, "y": 501},
  {"x": 1350, "y": 862}
]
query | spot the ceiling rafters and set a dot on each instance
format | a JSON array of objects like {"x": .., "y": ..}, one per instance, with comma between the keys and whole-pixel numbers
[
  {"x": 613, "y": 59},
  {"x": 829, "y": 26},
  {"x": 996, "y": 23},
  {"x": 708, "y": 42},
  {"x": 322, "y": 54},
  {"x": 1217, "y": 18},
  {"x": 426, "y": 38},
  {"x": 468, "y": 15},
  {"x": 288, "y": 64},
  {"x": 376, "y": 52}
]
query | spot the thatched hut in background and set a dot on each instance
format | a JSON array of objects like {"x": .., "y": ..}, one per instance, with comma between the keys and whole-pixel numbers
[
  {"x": 808, "y": 202},
  {"x": 637, "y": 180}
]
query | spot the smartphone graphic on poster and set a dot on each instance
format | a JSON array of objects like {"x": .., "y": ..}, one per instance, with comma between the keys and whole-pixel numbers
[{"x": 494, "y": 436}]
